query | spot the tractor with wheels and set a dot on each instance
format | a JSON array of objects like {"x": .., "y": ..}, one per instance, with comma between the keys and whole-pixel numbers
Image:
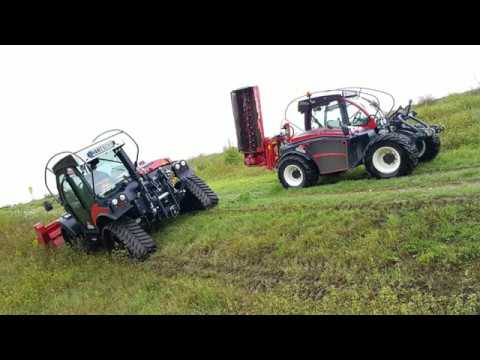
[
  {"x": 112, "y": 202},
  {"x": 333, "y": 131}
]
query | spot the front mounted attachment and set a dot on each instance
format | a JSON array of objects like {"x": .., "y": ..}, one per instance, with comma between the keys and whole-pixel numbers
[
  {"x": 248, "y": 119},
  {"x": 247, "y": 113}
]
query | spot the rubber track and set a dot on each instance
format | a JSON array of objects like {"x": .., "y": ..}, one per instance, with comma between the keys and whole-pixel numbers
[
  {"x": 407, "y": 145},
  {"x": 136, "y": 240},
  {"x": 197, "y": 187}
]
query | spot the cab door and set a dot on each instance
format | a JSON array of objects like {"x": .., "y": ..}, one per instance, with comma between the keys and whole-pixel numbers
[
  {"x": 330, "y": 147},
  {"x": 76, "y": 195},
  {"x": 362, "y": 129}
]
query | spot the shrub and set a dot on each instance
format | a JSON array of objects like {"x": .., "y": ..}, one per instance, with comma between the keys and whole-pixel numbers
[
  {"x": 232, "y": 156},
  {"x": 426, "y": 100}
]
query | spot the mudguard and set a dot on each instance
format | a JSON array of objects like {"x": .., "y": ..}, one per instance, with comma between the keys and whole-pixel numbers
[
  {"x": 181, "y": 171},
  {"x": 293, "y": 152},
  {"x": 70, "y": 225}
]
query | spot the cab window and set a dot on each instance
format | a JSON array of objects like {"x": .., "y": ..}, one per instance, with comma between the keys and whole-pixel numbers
[
  {"x": 327, "y": 116},
  {"x": 108, "y": 172},
  {"x": 77, "y": 203}
]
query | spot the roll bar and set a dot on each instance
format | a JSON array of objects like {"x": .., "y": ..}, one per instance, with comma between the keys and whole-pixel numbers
[
  {"x": 356, "y": 92},
  {"x": 118, "y": 132}
]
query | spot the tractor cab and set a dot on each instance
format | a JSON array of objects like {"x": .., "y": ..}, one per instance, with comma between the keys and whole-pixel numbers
[
  {"x": 331, "y": 113},
  {"x": 94, "y": 180},
  {"x": 92, "y": 176}
]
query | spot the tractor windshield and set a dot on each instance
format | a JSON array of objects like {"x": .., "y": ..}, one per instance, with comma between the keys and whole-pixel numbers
[{"x": 108, "y": 172}]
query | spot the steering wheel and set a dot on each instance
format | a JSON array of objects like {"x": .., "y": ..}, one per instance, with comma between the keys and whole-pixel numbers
[
  {"x": 356, "y": 118},
  {"x": 316, "y": 121}
]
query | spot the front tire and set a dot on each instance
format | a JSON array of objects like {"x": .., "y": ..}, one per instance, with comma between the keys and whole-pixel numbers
[
  {"x": 432, "y": 148},
  {"x": 428, "y": 147},
  {"x": 391, "y": 155},
  {"x": 297, "y": 172}
]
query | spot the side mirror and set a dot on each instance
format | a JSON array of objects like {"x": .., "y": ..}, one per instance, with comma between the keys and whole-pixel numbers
[{"x": 47, "y": 205}]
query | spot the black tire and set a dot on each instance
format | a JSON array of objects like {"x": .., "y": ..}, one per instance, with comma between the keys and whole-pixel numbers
[
  {"x": 432, "y": 148},
  {"x": 130, "y": 235},
  {"x": 198, "y": 195},
  {"x": 428, "y": 147},
  {"x": 405, "y": 148},
  {"x": 305, "y": 170}
]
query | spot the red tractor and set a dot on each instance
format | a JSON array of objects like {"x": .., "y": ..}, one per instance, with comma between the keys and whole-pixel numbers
[
  {"x": 112, "y": 202},
  {"x": 338, "y": 130}
]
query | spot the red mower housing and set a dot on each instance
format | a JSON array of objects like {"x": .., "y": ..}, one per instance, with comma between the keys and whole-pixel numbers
[
  {"x": 258, "y": 150},
  {"x": 50, "y": 234}
]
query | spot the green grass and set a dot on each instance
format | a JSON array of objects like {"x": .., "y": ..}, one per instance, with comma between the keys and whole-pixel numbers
[{"x": 352, "y": 245}]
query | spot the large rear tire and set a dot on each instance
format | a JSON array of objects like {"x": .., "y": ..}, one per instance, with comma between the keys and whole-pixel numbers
[
  {"x": 198, "y": 195},
  {"x": 391, "y": 155},
  {"x": 127, "y": 234},
  {"x": 297, "y": 172}
]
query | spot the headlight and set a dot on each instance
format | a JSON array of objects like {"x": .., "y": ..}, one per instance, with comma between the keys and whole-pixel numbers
[
  {"x": 183, "y": 163},
  {"x": 177, "y": 166},
  {"x": 122, "y": 197},
  {"x": 114, "y": 202}
]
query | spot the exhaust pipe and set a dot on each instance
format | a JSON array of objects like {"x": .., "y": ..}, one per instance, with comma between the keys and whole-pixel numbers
[{"x": 247, "y": 114}]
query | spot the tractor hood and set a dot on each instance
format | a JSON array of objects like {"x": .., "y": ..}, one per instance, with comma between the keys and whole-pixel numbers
[{"x": 153, "y": 165}]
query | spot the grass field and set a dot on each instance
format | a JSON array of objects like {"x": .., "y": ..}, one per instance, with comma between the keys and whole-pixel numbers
[{"x": 352, "y": 245}]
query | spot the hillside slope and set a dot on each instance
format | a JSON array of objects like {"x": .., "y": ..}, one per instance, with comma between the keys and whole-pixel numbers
[{"x": 350, "y": 245}]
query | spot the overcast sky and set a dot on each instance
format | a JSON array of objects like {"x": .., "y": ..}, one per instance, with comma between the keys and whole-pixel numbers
[{"x": 175, "y": 100}]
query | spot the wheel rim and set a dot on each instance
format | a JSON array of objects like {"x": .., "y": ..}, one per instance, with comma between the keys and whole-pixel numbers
[
  {"x": 386, "y": 159},
  {"x": 422, "y": 146},
  {"x": 293, "y": 175}
]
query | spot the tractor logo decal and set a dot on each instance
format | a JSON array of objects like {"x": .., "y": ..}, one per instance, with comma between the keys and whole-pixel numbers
[{"x": 101, "y": 149}]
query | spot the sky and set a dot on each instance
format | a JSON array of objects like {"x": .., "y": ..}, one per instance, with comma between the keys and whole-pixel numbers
[{"x": 175, "y": 100}]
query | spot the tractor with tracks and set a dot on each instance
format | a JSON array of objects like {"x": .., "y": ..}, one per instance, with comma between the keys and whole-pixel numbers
[
  {"x": 112, "y": 202},
  {"x": 337, "y": 130}
]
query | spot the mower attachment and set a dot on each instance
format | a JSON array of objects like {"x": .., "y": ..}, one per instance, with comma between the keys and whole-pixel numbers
[{"x": 50, "y": 235}]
